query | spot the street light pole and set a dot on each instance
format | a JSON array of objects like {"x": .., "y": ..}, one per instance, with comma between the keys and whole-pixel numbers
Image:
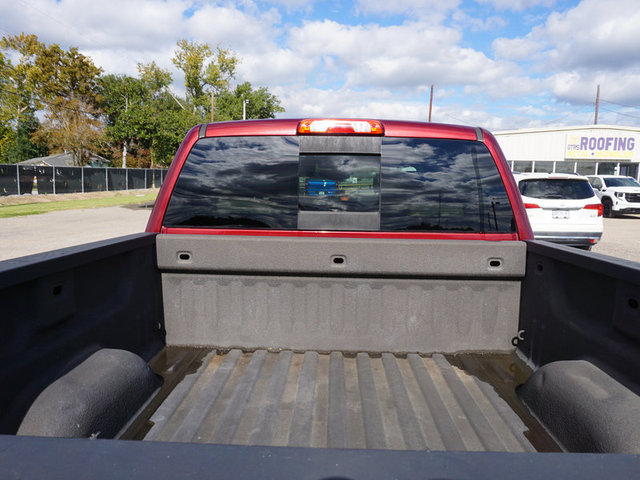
[
  {"x": 213, "y": 104},
  {"x": 244, "y": 108}
]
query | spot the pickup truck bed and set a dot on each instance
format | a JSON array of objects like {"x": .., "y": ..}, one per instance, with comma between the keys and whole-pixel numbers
[
  {"x": 336, "y": 400},
  {"x": 270, "y": 326}
]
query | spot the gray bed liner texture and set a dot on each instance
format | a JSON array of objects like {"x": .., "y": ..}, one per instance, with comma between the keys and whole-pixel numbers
[{"x": 334, "y": 400}]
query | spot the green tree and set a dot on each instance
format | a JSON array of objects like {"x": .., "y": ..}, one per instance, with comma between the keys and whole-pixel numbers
[
  {"x": 7, "y": 138},
  {"x": 7, "y": 135},
  {"x": 171, "y": 123},
  {"x": 139, "y": 117},
  {"x": 63, "y": 83},
  {"x": 125, "y": 102},
  {"x": 44, "y": 74},
  {"x": 156, "y": 79},
  {"x": 259, "y": 103},
  {"x": 170, "y": 117},
  {"x": 20, "y": 82},
  {"x": 205, "y": 72},
  {"x": 72, "y": 125},
  {"x": 22, "y": 146},
  {"x": 143, "y": 114}
]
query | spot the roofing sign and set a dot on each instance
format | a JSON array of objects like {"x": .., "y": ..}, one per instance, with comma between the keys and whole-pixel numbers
[{"x": 601, "y": 147}]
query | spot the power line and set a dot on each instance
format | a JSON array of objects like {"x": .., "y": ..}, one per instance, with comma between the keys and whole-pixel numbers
[
  {"x": 620, "y": 113},
  {"x": 620, "y": 104}
]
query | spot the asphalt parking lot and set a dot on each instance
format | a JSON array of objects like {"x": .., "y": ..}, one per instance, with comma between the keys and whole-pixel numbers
[
  {"x": 31, "y": 234},
  {"x": 20, "y": 236},
  {"x": 621, "y": 238}
]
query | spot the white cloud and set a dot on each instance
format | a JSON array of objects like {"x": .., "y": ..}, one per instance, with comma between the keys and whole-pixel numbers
[
  {"x": 477, "y": 24},
  {"x": 354, "y": 43},
  {"x": 125, "y": 62},
  {"x": 292, "y": 4},
  {"x": 580, "y": 88},
  {"x": 398, "y": 56},
  {"x": 280, "y": 66},
  {"x": 456, "y": 66},
  {"x": 345, "y": 102},
  {"x": 509, "y": 86},
  {"x": 232, "y": 27},
  {"x": 517, "y": 5},
  {"x": 575, "y": 50},
  {"x": 131, "y": 24},
  {"x": 381, "y": 68},
  {"x": 386, "y": 104},
  {"x": 515, "y": 49},
  {"x": 595, "y": 35},
  {"x": 433, "y": 8}
]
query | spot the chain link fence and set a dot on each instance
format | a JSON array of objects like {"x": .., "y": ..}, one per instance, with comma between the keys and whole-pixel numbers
[{"x": 28, "y": 179}]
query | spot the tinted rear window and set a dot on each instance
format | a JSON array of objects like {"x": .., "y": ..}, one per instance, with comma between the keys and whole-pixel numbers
[
  {"x": 556, "y": 188},
  {"x": 237, "y": 182},
  {"x": 413, "y": 185},
  {"x": 433, "y": 185}
]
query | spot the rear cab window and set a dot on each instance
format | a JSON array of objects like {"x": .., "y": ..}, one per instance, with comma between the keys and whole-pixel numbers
[
  {"x": 340, "y": 183},
  {"x": 570, "y": 189}
]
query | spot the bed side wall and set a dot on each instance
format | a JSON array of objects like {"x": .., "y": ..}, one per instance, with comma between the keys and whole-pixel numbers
[
  {"x": 581, "y": 306},
  {"x": 60, "y": 307}
]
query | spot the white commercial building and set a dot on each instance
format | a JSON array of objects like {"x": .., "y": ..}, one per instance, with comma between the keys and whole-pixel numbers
[{"x": 586, "y": 150}]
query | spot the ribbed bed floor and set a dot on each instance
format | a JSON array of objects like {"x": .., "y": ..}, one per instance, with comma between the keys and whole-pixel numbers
[{"x": 338, "y": 401}]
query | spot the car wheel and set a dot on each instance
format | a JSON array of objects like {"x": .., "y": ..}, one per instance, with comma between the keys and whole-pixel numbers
[{"x": 607, "y": 208}]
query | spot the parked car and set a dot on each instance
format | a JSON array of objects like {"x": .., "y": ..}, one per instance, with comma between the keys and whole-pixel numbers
[
  {"x": 562, "y": 208},
  {"x": 618, "y": 194}
]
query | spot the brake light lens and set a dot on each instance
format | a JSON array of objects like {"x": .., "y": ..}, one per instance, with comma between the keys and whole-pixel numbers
[
  {"x": 340, "y": 127},
  {"x": 595, "y": 206},
  {"x": 531, "y": 205}
]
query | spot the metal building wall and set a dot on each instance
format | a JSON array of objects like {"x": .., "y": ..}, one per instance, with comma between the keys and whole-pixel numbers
[{"x": 548, "y": 145}]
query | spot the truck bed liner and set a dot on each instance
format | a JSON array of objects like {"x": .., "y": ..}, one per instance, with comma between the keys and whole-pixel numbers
[{"x": 338, "y": 400}]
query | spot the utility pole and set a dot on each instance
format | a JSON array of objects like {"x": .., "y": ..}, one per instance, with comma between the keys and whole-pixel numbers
[
  {"x": 430, "y": 102},
  {"x": 595, "y": 121}
]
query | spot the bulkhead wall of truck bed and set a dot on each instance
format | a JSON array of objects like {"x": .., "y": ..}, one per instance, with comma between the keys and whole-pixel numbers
[{"x": 340, "y": 294}]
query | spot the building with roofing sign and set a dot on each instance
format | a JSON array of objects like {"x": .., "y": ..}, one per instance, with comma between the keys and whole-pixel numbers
[{"x": 586, "y": 150}]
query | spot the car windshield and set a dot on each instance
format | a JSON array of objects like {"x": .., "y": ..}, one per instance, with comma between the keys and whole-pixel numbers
[
  {"x": 621, "y": 182},
  {"x": 556, "y": 188}
]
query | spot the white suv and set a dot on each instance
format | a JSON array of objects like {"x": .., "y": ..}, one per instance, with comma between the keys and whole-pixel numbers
[
  {"x": 562, "y": 208},
  {"x": 618, "y": 194}
]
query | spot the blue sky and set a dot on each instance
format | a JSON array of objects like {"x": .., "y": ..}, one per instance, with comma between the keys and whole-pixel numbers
[{"x": 501, "y": 64}]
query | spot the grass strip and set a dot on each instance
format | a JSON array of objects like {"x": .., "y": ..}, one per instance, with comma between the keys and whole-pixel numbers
[{"x": 7, "y": 211}]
